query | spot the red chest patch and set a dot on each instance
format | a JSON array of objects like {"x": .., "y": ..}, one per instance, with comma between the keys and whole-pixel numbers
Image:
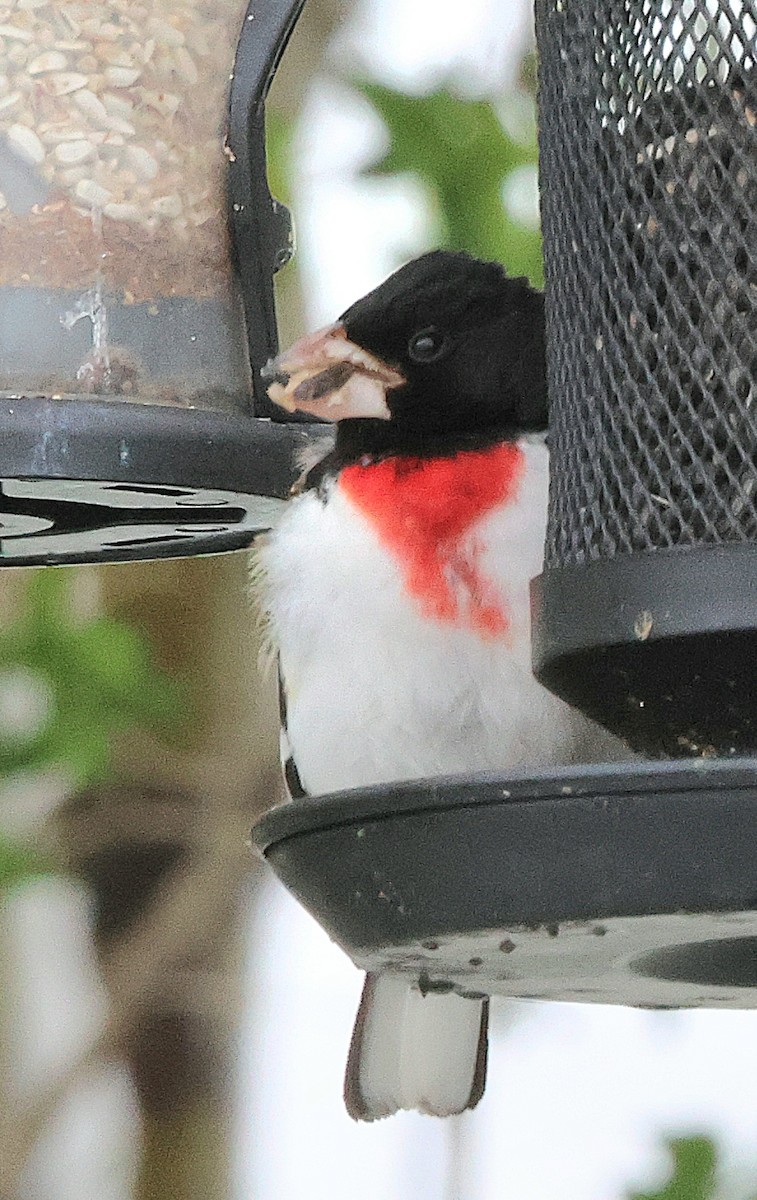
[{"x": 423, "y": 511}]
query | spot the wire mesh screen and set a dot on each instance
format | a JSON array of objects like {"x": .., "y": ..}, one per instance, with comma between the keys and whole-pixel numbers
[{"x": 648, "y": 112}]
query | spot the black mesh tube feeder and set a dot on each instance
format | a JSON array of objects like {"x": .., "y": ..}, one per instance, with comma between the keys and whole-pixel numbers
[
  {"x": 138, "y": 243},
  {"x": 646, "y": 613},
  {"x": 632, "y": 883}
]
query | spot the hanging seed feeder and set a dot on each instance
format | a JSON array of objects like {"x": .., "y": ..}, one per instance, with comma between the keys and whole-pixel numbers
[
  {"x": 133, "y": 183},
  {"x": 632, "y": 883},
  {"x": 646, "y": 613}
]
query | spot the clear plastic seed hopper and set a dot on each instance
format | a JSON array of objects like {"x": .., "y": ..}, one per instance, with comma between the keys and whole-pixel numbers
[{"x": 138, "y": 241}]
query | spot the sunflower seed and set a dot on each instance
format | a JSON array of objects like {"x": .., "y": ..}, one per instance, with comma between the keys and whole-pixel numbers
[
  {"x": 185, "y": 65},
  {"x": 164, "y": 103},
  {"x": 26, "y": 143},
  {"x": 13, "y": 31},
  {"x": 51, "y": 60},
  {"x": 167, "y": 206},
  {"x": 142, "y": 162},
  {"x": 91, "y": 105},
  {"x": 122, "y": 212},
  {"x": 165, "y": 34},
  {"x": 122, "y": 76},
  {"x": 66, "y": 82},
  {"x": 92, "y": 193},
  {"x": 10, "y": 101},
  {"x": 71, "y": 153}
]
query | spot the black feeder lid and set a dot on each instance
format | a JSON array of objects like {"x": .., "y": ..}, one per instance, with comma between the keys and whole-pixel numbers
[
  {"x": 85, "y": 478},
  {"x": 633, "y": 884}
]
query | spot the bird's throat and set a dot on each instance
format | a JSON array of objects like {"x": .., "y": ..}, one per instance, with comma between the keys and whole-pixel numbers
[{"x": 426, "y": 511}]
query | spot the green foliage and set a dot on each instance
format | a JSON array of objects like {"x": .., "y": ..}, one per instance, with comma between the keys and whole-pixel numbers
[
  {"x": 17, "y": 864},
  {"x": 65, "y": 688},
  {"x": 462, "y": 154},
  {"x": 279, "y": 142},
  {"x": 693, "y": 1178},
  {"x": 90, "y": 680}
]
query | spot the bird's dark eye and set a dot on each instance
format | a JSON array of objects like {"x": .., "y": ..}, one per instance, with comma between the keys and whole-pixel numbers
[{"x": 427, "y": 345}]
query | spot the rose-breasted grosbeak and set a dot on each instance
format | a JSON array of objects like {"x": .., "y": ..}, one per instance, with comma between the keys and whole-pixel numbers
[{"x": 397, "y": 589}]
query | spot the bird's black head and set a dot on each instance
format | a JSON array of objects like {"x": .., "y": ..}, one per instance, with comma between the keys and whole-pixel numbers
[{"x": 452, "y": 357}]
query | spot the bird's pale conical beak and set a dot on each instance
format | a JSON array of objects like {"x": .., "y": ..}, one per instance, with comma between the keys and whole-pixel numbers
[{"x": 328, "y": 376}]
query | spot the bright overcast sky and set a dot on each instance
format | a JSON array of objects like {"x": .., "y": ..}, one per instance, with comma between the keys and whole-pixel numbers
[{"x": 577, "y": 1102}]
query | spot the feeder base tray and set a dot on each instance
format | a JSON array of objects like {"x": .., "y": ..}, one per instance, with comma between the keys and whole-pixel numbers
[
  {"x": 632, "y": 884},
  {"x": 112, "y": 481}
]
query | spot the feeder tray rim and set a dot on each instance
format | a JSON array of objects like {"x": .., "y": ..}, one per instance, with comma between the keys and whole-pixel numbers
[
  {"x": 525, "y": 786},
  {"x": 82, "y": 439}
]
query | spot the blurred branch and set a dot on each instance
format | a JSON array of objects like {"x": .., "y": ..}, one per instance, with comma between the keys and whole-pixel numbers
[
  {"x": 189, "y": 909},
  {"x": 163, "y": 847}
]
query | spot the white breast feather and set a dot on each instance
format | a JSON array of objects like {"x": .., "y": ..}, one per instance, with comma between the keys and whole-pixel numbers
[{"x": 376, "y": 691}]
